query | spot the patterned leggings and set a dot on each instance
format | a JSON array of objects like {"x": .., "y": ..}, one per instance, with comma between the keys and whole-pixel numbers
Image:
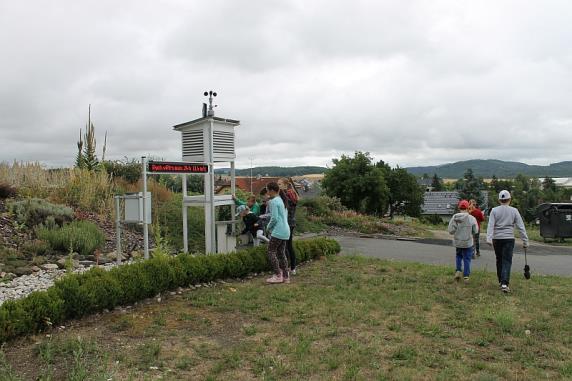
[{"x": 277, "y": 256}]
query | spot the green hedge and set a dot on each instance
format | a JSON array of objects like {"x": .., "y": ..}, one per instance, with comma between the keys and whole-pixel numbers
[{"x": 77, "y": 295}]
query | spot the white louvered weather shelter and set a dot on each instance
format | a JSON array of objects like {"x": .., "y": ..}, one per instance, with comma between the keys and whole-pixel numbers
[{"x": 210, "y": 140}]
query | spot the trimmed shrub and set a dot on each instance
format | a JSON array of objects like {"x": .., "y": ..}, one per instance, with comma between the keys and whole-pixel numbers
[
  {"x": 41, "y": 308},
  {"x": 135, "y": 282},
  {"x": 13, "y": 320},
  {"x": 83, "y": 237},
  {"x": 74, "y": 299},
  {"x": 77, "y": 295},
  {"x": 38, "y": 212}
]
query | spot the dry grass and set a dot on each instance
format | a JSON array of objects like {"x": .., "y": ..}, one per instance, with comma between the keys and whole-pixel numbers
[
  {"x": 89, "y": 190},
  {"x": 32, "y": 179}
]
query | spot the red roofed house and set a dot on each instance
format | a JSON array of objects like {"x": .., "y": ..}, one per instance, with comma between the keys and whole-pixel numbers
[{"x": 248, "y": 184}]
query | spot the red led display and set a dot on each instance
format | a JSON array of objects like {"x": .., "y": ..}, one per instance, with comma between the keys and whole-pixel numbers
[{"x": 172, "y": 167}]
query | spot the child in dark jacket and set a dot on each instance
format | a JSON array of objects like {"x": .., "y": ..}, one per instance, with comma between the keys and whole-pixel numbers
[
  {"x": 253, "y": 224},
  {"x": 290, "y": 198}
]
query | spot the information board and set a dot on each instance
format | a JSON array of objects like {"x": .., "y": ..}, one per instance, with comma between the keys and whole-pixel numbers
[{"x": 177, "y": 167}]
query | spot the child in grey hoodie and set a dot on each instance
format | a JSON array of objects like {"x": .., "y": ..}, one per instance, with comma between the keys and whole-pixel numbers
[{"x": 463, "y": 227}]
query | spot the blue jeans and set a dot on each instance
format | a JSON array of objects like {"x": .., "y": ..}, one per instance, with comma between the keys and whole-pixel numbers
[
  {"x": 503, "y": 252},
  {"x": 464, "y": 257}
]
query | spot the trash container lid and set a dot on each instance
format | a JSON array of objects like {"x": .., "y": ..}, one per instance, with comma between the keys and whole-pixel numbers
[{"x": 556, "y": 206}]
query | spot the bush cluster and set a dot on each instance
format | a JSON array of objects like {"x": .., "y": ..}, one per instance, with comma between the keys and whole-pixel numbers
[
  {"x": 308, "y": 223},
  {"x": 38, "y": 212},
  {"x": 359, "y": 222},
  {"x": 322, "y": 206},
  {"x": 7, "y": 191},
  {"x": 432, "y": 219},
  {"x": 130, "y": 171},
  {"x": 77, "y": 295},
  {"x": 83, "y": 237},
  {"x": 168, "y": 215}
]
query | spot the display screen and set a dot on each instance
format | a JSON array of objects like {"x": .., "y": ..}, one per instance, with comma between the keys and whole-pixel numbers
[{"x": 176, "y": 167}]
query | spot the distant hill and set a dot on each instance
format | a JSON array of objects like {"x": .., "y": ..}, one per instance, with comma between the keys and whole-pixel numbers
[
  {"x": 275, "y": 171},
  {"x": 499, "y": 168}
]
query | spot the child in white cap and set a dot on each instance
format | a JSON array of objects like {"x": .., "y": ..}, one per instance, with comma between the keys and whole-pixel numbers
[{"x": 500, "y": 233}]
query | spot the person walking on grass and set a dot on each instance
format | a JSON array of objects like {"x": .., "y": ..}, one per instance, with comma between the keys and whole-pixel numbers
[
  {"x": 279, "y": 235},
  {"x": 500, "y": 233},
  {"x": 291, "y": 196},
  {"x": 463, "y": 227},
  {"x": 480, "y": 217}
]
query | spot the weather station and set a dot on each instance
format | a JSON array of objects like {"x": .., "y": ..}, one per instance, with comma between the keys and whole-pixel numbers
[{"x": 210, "y": 140}]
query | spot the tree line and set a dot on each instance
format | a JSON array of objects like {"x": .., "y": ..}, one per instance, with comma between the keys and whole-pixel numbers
[{"x": 527, "y": 192}]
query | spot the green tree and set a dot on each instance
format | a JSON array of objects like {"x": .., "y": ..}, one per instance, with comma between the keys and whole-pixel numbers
[
  {"x": 551, "y": 193},
  {"x": 548, "y": 184},
  {"x": 494, "y": 185},
  {"x": 405, "y": 195},
  {"x": 358, "y": 184},
  {"x": 525, "y": 196},
  {"x": 470, "y": 187},
  {"x": 437, "y": 183}
]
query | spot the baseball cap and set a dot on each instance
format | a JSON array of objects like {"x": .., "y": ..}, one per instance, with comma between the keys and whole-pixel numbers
[
  {"x": 463, "y": 204},
  {"x": 240, "y": 209},
  {"x": 504, "y": 195}
]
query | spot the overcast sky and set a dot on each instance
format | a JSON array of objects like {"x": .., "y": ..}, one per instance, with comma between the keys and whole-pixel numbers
[{"x": 412, "y": 82}]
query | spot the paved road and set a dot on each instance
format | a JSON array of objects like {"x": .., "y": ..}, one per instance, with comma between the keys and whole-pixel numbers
[{"x": 542, "y": 260}]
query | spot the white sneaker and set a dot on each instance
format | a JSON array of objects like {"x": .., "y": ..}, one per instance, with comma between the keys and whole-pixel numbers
[
  {"x": 504, "y": 288},
  {"x": 293, "y": 272},
  {"x": 275, "y": 279},
  {"x": 458, "y": 275}
]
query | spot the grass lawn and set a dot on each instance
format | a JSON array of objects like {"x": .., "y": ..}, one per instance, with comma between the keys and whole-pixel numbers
[{"x": 342, "y": 318}]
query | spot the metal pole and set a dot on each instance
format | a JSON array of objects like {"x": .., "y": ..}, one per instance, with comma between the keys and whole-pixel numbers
[
  {"x": 213, "y": 210},
  {"x": 232, "y": 191},
  {"x": 251, "y": 174},
  {"x": 145, "y": 226},
  {"x": 185, "y": 223},
  {"x": 211, "y": 221},
  {"x": 118, "y": 229}
]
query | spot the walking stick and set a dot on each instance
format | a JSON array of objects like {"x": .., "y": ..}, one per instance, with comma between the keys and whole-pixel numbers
[{"x": 526, "y": 266}]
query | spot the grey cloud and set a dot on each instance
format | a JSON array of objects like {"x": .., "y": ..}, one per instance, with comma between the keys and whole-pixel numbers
[{"x": 413, "y": 83}]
